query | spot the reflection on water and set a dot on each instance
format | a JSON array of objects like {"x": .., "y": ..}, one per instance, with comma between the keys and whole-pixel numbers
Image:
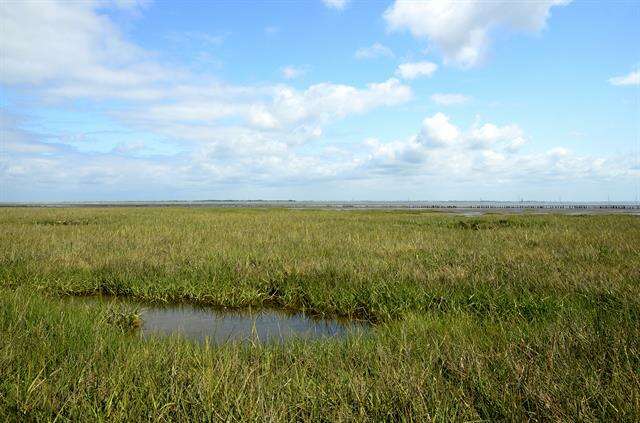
[
  {"x": 263, "y": 325},
  {"x": 469, "y": 213}
]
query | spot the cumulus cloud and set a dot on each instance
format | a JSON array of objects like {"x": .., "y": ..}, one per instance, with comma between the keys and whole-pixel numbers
[
  {"x": 633, "y": 78},
  {"x": 461, "y": 30},
  {"x": 416, "y": 70},
  {"x": 441, "y": 147},
  {"x": 450, "y": 99},
  {"x": 438, "y": 131},
  {"x": 336, "y": 4},
  {"x": 375, "y": 51},
  {"x": 487, "y": 152},
  {"x": 511, "y": 137}
]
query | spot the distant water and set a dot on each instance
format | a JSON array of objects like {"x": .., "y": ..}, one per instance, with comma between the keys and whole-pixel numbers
[{"x": 456, "y": 206}]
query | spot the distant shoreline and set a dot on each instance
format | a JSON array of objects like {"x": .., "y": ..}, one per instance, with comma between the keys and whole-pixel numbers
[{"x": 457, "y": 206}]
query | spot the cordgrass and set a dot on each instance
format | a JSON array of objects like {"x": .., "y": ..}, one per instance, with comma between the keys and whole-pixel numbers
[{"x": 518, "y": 317}]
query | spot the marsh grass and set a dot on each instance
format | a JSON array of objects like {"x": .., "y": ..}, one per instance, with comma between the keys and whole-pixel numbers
[
  {"x": 522, "y": 317},
  {"x": 124, "y": 317}
]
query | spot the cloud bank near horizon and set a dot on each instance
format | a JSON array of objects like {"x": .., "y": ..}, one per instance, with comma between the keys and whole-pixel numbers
[{"x": 188, "y": 131}]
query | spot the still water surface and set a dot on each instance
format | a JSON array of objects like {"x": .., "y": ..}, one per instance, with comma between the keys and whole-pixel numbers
[{"x": 264, "y": 325}]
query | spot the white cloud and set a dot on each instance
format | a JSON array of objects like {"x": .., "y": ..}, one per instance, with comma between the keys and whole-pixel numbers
[
  {"x": 450, "y": 99},
  {"x": 293, "y": 72},
  {"x": 336, "y": 4},
  {"x": 285, "y": 113},
  {"x": 232, "y": 156},
  {"x": 558, "y": 152},
  {"x": 439, "y": 136},
  {"x": 220, "y": 133},
  {"x": 260, "y": 117},
  {"x": 437, "y": 130},
  {"x": 484, "y": 153},
  {"x": 229, "y": 157},
  {"x": 215, "y": 133},
  {"x": 462, "y": 29},
  {"x": 104, "y": 65},
  {"x": 374, "y": 51},
  {"x": 205, "y": 111},
  {"x": 633, "y": 78},
  {"x": 488, "y": 135},
  {"x": 56, "y": 42},
  {"x": 416, "y": 70},
  {"x": 326, "y": 101}
]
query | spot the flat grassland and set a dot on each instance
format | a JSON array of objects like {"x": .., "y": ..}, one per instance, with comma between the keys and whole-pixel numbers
[{"x": 486, "y": 318}]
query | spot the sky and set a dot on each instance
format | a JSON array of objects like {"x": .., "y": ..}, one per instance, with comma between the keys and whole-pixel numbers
[{"x": 319, "y": 100}]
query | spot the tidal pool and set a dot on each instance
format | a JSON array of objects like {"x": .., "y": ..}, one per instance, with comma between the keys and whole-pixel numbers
[{"x": 220, "y": 325}]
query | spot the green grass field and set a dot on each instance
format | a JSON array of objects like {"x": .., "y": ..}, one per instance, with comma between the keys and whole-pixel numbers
[{"x": 491, "y": 318}]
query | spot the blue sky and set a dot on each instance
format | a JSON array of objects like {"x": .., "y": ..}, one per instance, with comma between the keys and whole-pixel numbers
[{"x": 324, "y": 100}]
